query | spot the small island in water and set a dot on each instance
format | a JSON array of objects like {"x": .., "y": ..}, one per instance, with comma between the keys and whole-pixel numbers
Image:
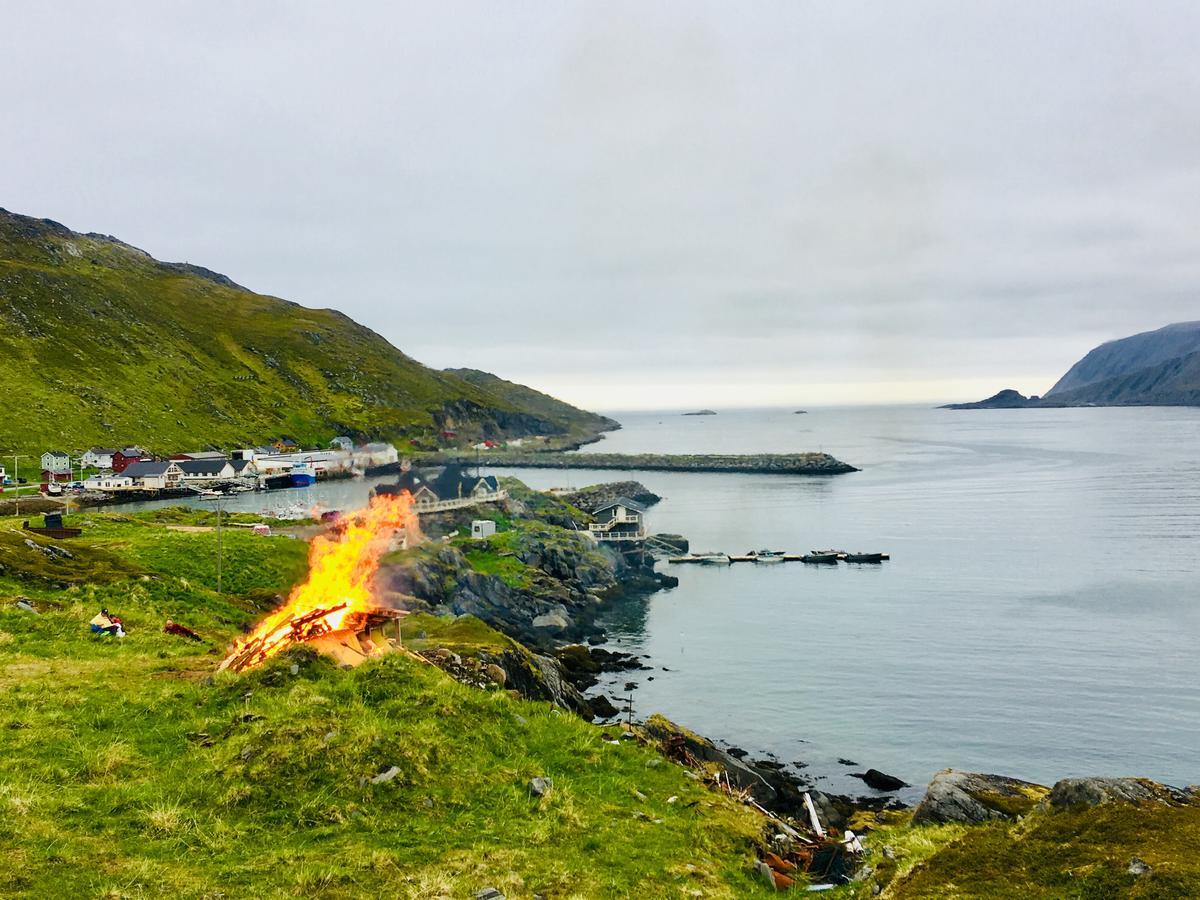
[{"x": 702, "y": 412}]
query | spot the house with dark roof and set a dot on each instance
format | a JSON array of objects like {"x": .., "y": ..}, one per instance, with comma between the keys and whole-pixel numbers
[
  {"x": 620, "y": 520},
  {"x": 244, "y": 468},
  {"x": 455, "y": 484},
  {"x": 98, "y": 458},
  {"x": 127, "y": 455},
  {"x": 199, "y": 471},
  {"x": 150, "y": 475},
  {"x": 414, "y": 483}
]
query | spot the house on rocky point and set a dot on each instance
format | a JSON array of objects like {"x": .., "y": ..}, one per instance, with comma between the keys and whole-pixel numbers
[{"x": 620, "y": 520}]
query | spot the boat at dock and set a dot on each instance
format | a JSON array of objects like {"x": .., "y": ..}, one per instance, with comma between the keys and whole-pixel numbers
[
  {"x": 826, "y": 558},
  {"x": 303, "y": 475},
  {"x": 766, "y": 556},
  {"x": 712, "y": 559},
  {"x": 864, "y": 557}
]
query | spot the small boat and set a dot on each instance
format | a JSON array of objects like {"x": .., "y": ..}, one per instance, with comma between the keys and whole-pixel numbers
[
  {"x": 303, "y": 475},
  {"x": 864, "y": 557},
  {"x": 712, "y": 559},
  {"x": 820, "y": 558},
  {"x": 838, "y": 553},
  {"x": 766, "y": 556}
]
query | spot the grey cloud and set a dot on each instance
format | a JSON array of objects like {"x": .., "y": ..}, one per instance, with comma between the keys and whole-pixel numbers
[{"x": 675, "y": 195}]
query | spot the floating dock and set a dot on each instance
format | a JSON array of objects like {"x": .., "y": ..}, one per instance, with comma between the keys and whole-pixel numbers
[{"x": 787, "y": 558}]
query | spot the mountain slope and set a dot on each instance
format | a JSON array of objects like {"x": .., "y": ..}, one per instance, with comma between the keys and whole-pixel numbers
[
  {"x": 1175, "y": 382},
  {"x": 102, "y": 344},
  {"x": 543, "y": 405},
  {"x": 1128, "y": 355},
  {"x": 1154, "y": 368}
]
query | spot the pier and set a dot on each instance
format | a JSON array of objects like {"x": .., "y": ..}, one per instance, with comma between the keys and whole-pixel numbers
[
  {"x": 787, "y": 557},
  {"x": 755, "y": 463}
]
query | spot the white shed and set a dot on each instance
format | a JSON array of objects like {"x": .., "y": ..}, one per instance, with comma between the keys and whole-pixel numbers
[{"x": 482, "y": 528}]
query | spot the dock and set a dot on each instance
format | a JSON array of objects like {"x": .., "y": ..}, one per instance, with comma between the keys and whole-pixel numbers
[{"x": 787, "y": 557}]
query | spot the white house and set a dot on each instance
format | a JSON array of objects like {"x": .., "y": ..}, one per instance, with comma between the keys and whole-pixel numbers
[
  {"x": 154, "y": 476},
  {"x": 108, "y": 482},
  {"x": 98, "y": 458},
  {"x": 375, "y": 455},
  {"x": 199, "y": 471},
  {"x": 56, "y": 462},
  {"x": 620, "y": 520}
]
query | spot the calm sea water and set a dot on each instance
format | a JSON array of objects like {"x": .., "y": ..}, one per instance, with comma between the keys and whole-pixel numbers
[{"x": 1038, "y": 618}]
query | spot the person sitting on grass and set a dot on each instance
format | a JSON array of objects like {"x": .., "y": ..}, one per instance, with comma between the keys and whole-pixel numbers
[{"x": 108, "y": 624}]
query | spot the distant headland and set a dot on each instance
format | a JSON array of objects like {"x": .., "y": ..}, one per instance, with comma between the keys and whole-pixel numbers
[{"x": 1154, "y": 368}]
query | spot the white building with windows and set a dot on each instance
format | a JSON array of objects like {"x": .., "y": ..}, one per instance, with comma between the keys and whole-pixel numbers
[{"x": 620, "y": 520}]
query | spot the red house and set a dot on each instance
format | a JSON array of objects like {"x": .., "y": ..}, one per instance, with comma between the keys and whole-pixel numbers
[{"x": 127, "y": 455}]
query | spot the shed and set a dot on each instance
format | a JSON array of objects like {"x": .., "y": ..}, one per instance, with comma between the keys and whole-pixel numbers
[{"x": 482, "y": 528}]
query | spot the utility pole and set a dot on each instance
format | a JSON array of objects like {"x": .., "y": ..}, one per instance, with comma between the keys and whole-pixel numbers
[
  {"x": 220, "y": 547},
  {"x": 17, "y": 482}
]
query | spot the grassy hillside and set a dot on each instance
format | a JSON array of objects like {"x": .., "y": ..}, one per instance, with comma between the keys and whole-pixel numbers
[
  {"x": 541, "y": 405},
  {"x": 130, "y": 768},
  {"x": 101, "y": 344}
]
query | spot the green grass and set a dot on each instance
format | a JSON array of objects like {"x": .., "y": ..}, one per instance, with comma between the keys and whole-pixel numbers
[
  {"x": 104, "y": 345},
  {"x": 130, "y": 768},
  {"x": 1078, "y": 854}
]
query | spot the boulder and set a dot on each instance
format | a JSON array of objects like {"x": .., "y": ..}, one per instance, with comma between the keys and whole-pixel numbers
[
  {"x": 540, "y": 787},
  {"x": 550, "y": 620},
  {"x": 970, "y": 797},
  {"x": 1095, "y": 791},
  {"x": 880, "y": 781},
  {"x": 603, "y": 707}
]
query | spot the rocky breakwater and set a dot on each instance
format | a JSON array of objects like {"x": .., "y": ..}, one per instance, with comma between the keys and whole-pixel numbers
[{"x": 757, "y": 463}]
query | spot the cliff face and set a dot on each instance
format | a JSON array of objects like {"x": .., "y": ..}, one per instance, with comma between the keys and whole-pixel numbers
[{"x": 1137, "y": 353}]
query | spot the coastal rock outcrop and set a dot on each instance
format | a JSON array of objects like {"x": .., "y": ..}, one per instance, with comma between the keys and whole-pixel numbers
[
  {"x": 596, "y": 496},
  {"x": 971, "y": 797},
  {"x": 1094, "y": 791}
]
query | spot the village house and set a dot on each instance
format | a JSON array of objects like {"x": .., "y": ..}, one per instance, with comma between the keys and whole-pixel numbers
[
  {"x": 244, "y": 468},
  {"x": 376, "y": 454},
  {"x": 455, "y": 484},
  {"x": 127, "y": 455},
  {"x": 108, "y": 482},
  {"x": 149, "y": 475},
  {"x": 620, "y": 520},
  {"x": 415, "y": 484},
  {"x": 56, "y": 462},
  {"x": 98, "y": 458},
  {"x": 201, "y": 471}
]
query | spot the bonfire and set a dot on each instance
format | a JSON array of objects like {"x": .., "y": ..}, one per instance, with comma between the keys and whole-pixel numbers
[{"x": 334, "y": 608}]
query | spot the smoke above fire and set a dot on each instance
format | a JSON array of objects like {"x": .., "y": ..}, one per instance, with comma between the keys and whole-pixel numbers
[{"x": 339, "y": 586}]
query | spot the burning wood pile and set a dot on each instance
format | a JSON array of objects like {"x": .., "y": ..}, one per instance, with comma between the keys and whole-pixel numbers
[{"x": 333, "y": 608}]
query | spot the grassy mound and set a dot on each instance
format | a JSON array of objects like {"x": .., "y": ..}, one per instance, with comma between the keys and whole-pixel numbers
[{"x": 132, "y": 769}]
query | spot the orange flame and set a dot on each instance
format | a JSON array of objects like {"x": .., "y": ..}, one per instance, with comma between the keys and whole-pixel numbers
[{"x": 341, "y": 569}]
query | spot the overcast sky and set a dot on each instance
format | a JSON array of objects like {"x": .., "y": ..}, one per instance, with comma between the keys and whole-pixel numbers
[{"x": 645, "y": 204}]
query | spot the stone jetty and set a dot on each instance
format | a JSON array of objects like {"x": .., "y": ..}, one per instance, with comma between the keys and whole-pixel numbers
[{"x": 756, "y": 463}]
